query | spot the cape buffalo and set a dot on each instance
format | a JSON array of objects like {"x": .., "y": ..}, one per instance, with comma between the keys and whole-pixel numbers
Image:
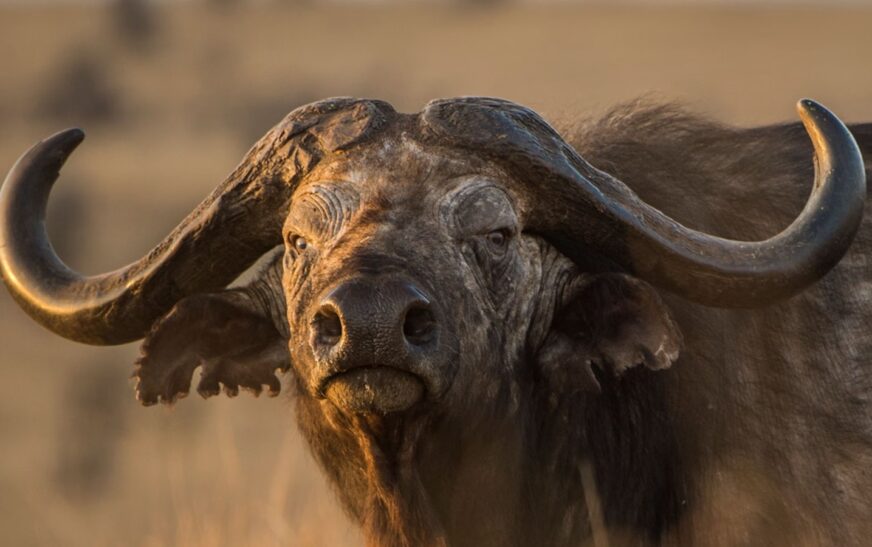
[{"x": 481, "y": 319}]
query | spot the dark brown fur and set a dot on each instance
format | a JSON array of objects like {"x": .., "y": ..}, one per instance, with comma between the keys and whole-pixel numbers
[{"x": 761, "y": 432}]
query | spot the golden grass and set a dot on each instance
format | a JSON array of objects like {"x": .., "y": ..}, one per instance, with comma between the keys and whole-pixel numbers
[{"x": 81, "y": 463}]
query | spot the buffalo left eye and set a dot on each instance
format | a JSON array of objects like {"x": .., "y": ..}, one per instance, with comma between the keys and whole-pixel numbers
[{"x": 498, "y": 238}]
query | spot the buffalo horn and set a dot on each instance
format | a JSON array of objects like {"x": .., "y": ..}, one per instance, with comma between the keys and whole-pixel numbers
[{"x": 709, "y": 269}]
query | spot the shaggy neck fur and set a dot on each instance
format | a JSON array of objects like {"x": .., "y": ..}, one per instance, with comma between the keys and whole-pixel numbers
[{"x": 430, "y": 481}]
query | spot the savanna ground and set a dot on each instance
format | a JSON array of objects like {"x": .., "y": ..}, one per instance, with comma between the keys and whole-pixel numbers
[{"x": 173, "y": 96}]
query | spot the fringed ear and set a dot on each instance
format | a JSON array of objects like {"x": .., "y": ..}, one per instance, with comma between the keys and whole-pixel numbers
[
  {"x": 236, "y": 345},
  {"x": 614, "y": 322}
]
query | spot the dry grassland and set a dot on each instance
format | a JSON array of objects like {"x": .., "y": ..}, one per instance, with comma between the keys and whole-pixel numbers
[{"x": 169, "y": 113}]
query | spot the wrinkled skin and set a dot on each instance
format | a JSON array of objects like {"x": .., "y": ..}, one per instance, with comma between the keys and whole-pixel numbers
[
  {"x": 440, "y": 224},
  {"x": 449, "y": 226},
  {"x": 451, "y": 229}
]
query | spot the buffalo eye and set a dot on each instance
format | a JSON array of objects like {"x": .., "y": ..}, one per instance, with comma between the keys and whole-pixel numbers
[
  {"x": 298, "y": 243},
  {"x": 498, "y": 239}
]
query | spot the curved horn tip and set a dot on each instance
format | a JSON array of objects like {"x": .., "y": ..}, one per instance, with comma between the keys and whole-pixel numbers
[
  {"x": 50, "y": 153},
  {"x": 813, "y": 113},
  {"x": 73, "y": 135},
  {"x": 831, "y": 138},
  {"x": 807, "y": 104},
  {"x": 64, "y": 141}
]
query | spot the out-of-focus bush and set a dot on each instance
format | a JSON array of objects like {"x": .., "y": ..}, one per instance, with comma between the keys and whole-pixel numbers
[
  {"x": 80, "y": 89},
  {"x": 135, "y": 23}
]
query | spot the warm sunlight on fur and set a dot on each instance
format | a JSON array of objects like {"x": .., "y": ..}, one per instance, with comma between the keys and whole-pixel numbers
[{"x": 172, "y": 97}]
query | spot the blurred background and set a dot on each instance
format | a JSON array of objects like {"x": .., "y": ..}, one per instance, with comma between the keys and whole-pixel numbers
[{"x": 172, "y": 94}]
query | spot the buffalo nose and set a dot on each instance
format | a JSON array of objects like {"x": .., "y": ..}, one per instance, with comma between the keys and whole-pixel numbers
[
  {"x": 380, "y": 317},
  {"x": 419, "y": 326}
]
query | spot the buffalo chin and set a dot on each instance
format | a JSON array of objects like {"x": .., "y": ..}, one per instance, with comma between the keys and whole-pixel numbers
[{"x": 379, "y": 390}]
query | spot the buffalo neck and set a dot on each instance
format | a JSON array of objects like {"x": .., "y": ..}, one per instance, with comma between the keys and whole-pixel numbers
[{"x": 399, "y": 480}]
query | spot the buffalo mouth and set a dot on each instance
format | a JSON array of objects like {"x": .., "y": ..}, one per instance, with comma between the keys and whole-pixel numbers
[{"x": 374, "y": 389}]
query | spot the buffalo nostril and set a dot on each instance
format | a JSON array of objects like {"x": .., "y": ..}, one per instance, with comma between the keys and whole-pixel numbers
[
  {"x": 419, "y": 326},
  {"x": 327, "y": 327}
]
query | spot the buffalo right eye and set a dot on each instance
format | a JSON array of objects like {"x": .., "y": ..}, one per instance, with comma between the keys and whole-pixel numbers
[
  {"x": 300, "y": 243},
  {"x": 297, "y": 243}
]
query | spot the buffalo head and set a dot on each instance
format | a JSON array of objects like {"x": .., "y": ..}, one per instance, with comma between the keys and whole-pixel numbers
[{"x": 426, "y": 259}]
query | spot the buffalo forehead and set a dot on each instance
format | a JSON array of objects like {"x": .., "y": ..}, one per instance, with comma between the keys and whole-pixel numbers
[{"x": 402, "y": 173}]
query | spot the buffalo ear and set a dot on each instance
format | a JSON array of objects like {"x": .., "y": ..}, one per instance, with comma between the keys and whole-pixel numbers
[
  {"x": 613, "y": 322},
  {"x": 236, "y": 345}
]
